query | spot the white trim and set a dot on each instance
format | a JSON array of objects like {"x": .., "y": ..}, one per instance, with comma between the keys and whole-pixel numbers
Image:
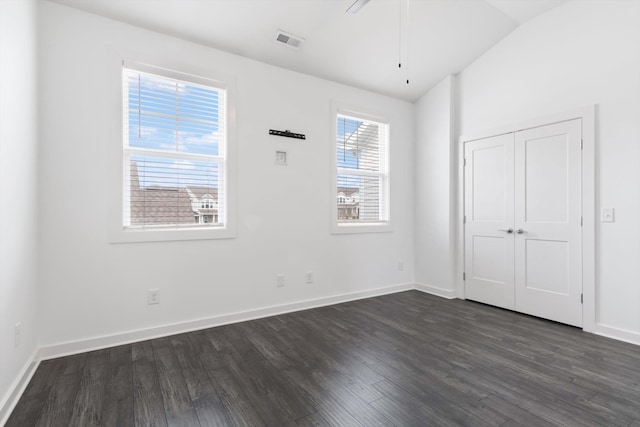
[
  {"x": 589, "y": 307},
  {"x": 459, "y": 271},
  {"x": 617, "y": 334},
  {"x": 361, "y": 113},
  {"x": 454, "y": 206},
  {"x": 437, "y": 291},
  {"x": 80, "y": 346},
  {"x": 208, "y": 81},
  {"x": 116, "y": 232},
  {"x": 17, "y": 388},
  {"x": 361, "y": 227},
  {"x": 587, "y": 115}
]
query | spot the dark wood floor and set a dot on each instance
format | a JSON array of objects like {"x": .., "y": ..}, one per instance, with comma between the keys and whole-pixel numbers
[{"x": 404, "y": 359}]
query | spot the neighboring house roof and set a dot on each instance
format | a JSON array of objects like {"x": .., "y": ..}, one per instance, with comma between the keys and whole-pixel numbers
[
  {"x": 166, "y": 205},
  {"x": 200, "y": 192},
  {"x": 160, "y": 205},
  {"x": 348, "y": 191}
]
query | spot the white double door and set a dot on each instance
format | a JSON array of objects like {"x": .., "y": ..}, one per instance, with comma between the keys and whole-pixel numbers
[{"x": 523, "y": 231}]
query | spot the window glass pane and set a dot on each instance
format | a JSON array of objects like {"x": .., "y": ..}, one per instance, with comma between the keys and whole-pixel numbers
[
  {"x": 198, "y": 139},
  {"x": 165, "y": 114},
  {"x": 173, "y": 192},
  {"x": 361, "y": 192},
  {"x": 359, "y": 198},
  {"x": 174, "y": 153},
  {"x": 358, "y": 144}
]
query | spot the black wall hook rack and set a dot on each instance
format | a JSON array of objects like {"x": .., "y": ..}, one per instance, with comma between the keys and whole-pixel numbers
[{"x": 287, "y": 133}]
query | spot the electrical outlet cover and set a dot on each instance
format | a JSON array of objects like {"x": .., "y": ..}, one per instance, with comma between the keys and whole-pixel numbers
[
  {"x": 153, "y": 296},
  {"x": 281, "y": 158},
  {"x": 607, "y": 215}
]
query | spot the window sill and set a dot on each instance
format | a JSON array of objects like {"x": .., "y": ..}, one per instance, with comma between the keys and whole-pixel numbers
[
  {"x": 167, "y": 235},
  {"x": 346, "y": 228}
]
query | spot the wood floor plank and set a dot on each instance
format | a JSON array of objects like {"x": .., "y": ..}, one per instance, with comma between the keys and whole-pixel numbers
[
  {"x": 272, "y": 394},
  {"x": 175, "y": 394},
  {"x": 398, "y": 360},
  {"x": 211, "y": 349},
  {"x": 314, "y": 420},
  {"x": 329, "y": 407},
  {"x": 29, "y": 409},
  {"x": 118, "y": 405},
  {"x": 90, "y": 397},
  {"x": 308, "y": 358},
  {"x": 514, "y": 413},
  {"x": 336, "y": 395},
  {"x": 58, "y": 406},
  {"x": 148, "y": 405},
  {"x": 206, "y": 401},
  {"x": 441, "y": 410}
]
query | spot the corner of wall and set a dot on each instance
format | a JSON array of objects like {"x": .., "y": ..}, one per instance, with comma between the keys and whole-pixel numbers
[
  {"x": 435, "y": 181},
  {"x": 19, "y": 198}
]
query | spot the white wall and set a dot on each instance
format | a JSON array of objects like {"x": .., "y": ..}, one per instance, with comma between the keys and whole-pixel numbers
[
  {"x": 18, "y": 186},
  {"x": 91, "y": 287},
  {"x": 584, "y": 52},
  {"x": 434, "y": 206}
]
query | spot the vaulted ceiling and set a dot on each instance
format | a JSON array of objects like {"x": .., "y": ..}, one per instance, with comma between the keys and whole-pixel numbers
[{"x": 432, "y": 39}]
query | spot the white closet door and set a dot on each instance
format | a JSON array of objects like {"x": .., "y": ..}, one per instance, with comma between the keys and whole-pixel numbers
[
  {"x": 489, "y": 246},
  {"x": 548, "y": 246}
]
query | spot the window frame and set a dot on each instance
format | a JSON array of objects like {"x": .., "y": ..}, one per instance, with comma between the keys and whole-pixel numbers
[
  {"x": 382, "y": 226},
  {"x": 118, "y": 232}
]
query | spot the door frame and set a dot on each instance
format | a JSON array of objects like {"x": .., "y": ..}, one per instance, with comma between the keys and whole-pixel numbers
[{"x": 588, "y": 116}]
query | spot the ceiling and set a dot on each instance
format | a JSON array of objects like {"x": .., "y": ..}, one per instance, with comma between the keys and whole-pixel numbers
[{"x": 441, "y": 37}]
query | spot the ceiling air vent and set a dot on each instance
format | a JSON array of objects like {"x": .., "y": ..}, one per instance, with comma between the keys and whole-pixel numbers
[{"x": 288, "y": 39}]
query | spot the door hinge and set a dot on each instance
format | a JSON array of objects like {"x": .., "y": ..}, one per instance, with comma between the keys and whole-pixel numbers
[
  {"x": 464, "y": 276},
  {"x": 464, "y": 219},
  {"x": 464, "y": 162},
  {"x": 581, "y": 298},
  {"x": 581, "y": 221},
  {"x": 582, "y": 144}
]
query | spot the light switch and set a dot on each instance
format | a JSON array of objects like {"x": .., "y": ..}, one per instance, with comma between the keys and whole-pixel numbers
[{"x": 607, "y": 215}]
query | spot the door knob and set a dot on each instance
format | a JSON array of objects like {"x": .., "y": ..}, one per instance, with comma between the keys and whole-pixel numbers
[
  {"x": 520, "y": 231},
  {"x": 510, "y": 230}
]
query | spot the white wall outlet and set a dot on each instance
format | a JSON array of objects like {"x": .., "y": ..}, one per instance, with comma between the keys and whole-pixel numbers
[
  {"x": 608, "y": 215},
  {"x": 400, "y": 265},
  {"x": 281, "y": 158},
  {"x": 308, "y": 277},
  {"x": 279, "y": 280},
  {"x": 17, "y": 335},
  {"x": 153, "y": 296}
]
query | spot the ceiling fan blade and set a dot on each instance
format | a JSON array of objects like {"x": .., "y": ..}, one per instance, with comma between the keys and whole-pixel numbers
[{"x": 356, "y": 6}]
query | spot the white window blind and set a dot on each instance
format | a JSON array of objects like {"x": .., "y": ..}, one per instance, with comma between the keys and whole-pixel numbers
[
  {"x": 362, "y": 171},
  {"x": 174, "y": 152}
]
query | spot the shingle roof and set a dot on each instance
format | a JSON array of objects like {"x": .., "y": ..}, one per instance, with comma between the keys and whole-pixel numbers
[
  {"x": 160, "y": 205},
  {"x": 348, "y": 191}
]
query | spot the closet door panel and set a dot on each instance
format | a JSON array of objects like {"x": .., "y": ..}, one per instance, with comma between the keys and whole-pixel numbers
[
  {"x": 548, "y": 245},
  {"x": 489, "y": 250}
]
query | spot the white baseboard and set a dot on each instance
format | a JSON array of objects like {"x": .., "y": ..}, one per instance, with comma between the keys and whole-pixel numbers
[
  {"x": 617, "y": 334},
  {"x": 434, "y": 290},
  {"x": 81, "y": 346},
  {"x": 10, "y": 400}
]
